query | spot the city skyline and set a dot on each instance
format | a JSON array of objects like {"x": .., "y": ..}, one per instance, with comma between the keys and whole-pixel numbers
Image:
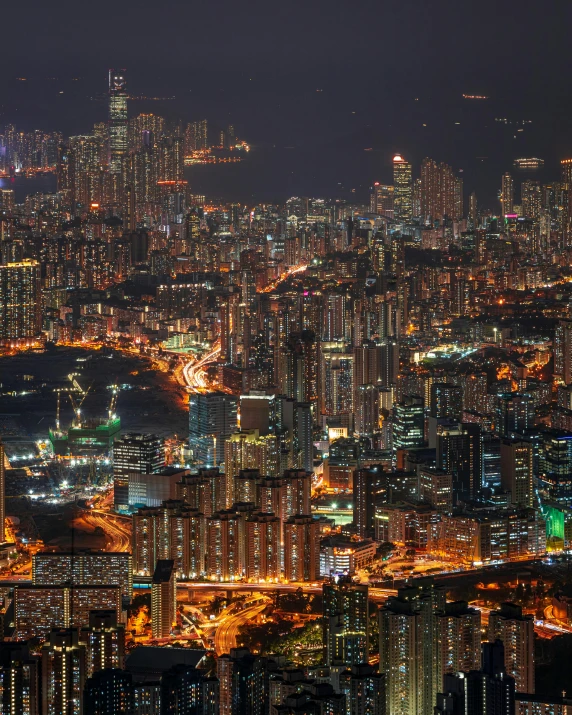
[{"x": 286, "y": 359}]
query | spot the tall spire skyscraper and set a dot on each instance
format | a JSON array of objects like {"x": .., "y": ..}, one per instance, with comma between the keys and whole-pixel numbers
[
  {"x": 118, "y": 136},
  {"x": 403, "y": 189}
]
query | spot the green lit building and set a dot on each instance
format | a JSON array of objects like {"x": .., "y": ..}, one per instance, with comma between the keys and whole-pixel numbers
[{"x": 92, "y": 438}]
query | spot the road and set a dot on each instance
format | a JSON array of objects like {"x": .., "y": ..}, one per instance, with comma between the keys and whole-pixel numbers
[
  {"x": 291, "y": 271},
  {"x": 116, "y": 529},
  {"x": 194, "y": 372},
  {"x": 380, "y": 594},
  {"x": 226, "y": 633}
]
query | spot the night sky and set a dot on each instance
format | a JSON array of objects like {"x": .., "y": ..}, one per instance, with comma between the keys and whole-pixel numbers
[{"x": 384, "y": 69}]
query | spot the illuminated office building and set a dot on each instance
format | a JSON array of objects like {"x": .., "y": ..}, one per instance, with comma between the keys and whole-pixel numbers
[
  {"x": 118, "y": 125},
  {"x": 382, "y": 200},
  {"x": 212, "y": 418},
  {"x": 516, "y": 469},
  {"x": 409, "y": 424},
  {"x": 403, "y": 189},
  {"x": 134, "y": 453}
]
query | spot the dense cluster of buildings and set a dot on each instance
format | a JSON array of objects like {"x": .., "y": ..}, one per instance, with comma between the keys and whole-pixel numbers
[{"x": 411, "y": 355}]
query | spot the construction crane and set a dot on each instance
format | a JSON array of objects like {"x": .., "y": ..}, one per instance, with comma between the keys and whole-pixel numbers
[
  {"x": 77, "y": 388},
  {"x": 113, "y": 402}
]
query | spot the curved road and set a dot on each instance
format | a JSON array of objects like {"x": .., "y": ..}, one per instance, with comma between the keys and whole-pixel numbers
[
  {"x": 227, "y": 632},
  {"x": 194, "y": 374},
  {"x": 116, "y": 529}
]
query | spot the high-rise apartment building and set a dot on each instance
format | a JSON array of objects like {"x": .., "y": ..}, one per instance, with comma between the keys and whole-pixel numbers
[
  {"x": 263, "y": 548},
  {"x": 38, "y": 609},
  {"x": 118, "y": 124},
  {"x": 446, "y": 401},
  {"x": 104, "y": 640},
  {"x": 346, "y": 622},
  {"x": 63, "y": 672},
  {"x": 364, "y": 689},
  {"x": 531, "y": 199},
  {"x": 516, "y": 633},
  {"x": 441, "y": 192},
  {"x": 176, "y": 531},
  {"x": 248, "y": 450},
  {"x": 163, "y": 598},
  {"x": 109, "y": 691},
  {"x": 186, "y": 689},
  {"x": 226, "y": 541},
  {"x": 301, "y": 548},
  {"x": 487, "y": 691},
  {"x": 134, "y": 453},
  {"x": 402, "y": 189},
  {"x": 19, "y": 680},
  {"x": 105, "y": 568},
  {"x": 20, "y": 304},
  {"x": 419, "y": 636}
]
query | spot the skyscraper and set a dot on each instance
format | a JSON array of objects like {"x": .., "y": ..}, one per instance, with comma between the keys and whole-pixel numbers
[
  {"x": 516, "y": 468},
  {"x": 381, "y": 200},
  {"x": 20, "y": 304},
  {"x": 507, "y": 194},
  {"x": 460, "y": 453},
  {"x": 134, "y": 453},
  {"x": 403, "y": 189},
  {"x": 118, "y": 125},
  {"x": 212, "y": 418},
  {"x": 409, "y": 424},
  {"x": 446, "y": 401}
]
